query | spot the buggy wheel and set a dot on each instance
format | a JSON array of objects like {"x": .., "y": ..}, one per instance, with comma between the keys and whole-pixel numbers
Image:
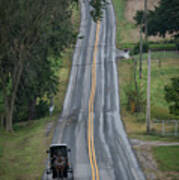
[{"x": 70, "y": 175}]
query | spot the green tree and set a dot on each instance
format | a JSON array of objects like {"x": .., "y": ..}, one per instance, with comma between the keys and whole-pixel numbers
[
  {"x": 98, "y": 6},
  {"x": 30, "y": 31},
  {"x": 163, "y": 19},
  {"x": 39, "y": 80},
  {"x": 172, "y": 95}
]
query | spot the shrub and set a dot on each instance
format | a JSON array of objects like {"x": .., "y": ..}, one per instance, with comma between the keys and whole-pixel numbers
[
  {"x": 136, "y": 49},
  {"x": 135, "y": 99},
  {"x": 177, "y": 43},
  {"x": 172, "y": 95}
]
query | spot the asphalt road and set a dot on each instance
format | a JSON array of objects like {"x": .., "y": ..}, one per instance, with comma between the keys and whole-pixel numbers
[{"x": 90, "y": 123}]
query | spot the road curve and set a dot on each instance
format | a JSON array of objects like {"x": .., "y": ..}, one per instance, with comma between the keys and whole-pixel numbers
[{"x": 90, "y": 122}]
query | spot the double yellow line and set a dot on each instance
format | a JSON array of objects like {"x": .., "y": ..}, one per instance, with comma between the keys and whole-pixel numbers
[{"x": 91, "y": 148}]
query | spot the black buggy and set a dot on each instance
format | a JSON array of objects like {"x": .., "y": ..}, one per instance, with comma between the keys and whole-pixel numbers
[{"x": 59, "y": 163}]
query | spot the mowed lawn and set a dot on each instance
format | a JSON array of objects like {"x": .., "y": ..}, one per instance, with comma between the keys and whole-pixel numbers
[
  {"x": 167, "y": 157},
  {"x": 164, "y": 66}
]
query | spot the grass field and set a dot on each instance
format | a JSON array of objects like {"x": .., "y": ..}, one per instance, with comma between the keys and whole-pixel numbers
[
  {"x": 167, "y": 158},
  {"x": 22, "y": 154},
  {"x": 165, "y": 65}
]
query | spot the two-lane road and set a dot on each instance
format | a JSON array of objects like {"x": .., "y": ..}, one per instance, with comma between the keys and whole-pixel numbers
[{"x": 90, "y": 123}]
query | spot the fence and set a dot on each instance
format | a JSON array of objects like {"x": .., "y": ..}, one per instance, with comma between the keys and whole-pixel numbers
[{"x": 167, "y": 127}]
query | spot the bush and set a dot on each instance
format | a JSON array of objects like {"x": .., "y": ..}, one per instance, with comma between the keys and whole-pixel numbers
[
  {"x": 136, "y": 49},
  {"x": 177, "y": 43},
  {"x": 22, "y": 112},
  {"x": 172, "y": 95},
  {"x": 135, "y": 99}
]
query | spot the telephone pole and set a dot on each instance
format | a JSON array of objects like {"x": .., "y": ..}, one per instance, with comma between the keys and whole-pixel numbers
[
  {"x": 148, "y": 116},
  {"x": 141, "y": 51},
  {"x": 145, "y": 19}
]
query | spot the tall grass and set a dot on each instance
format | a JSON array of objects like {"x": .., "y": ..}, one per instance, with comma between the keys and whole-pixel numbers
[{"x": 122, "y": 25}]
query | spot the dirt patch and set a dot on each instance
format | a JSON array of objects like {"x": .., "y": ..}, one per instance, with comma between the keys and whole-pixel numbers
[{"x": 148, "y": 163}]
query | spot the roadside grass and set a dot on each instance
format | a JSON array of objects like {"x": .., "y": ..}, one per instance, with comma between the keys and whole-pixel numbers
[
  {"x": 22, "y": 154},
  {"x": 122, "y": 25},
  {"x": 167, "y": 157},
  {"x": 164, "y": 65}
]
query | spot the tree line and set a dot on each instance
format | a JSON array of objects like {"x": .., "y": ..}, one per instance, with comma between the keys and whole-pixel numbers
[{"x": 33, "y": 35}]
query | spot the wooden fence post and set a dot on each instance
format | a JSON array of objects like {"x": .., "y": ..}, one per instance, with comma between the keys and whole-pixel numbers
[
  {"x": 176, "y": 128},
  {"x": 163, "y": 127}
]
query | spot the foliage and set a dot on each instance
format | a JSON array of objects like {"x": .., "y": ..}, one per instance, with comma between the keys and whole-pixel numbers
[
  {"x": 172, "y": 95},
  {"x": 29, "y": 141},
  {"x": 138, "y": 17},
  {"x": 177, "y": 43},
  {"x": 136, "y": 48},
  {"x": 98, "y": 6},
  {"x": 163, "y": 19},
  {"x": 32, "y": 32},
  {"x": 34, "y": 89},
  {"x": 135, "y": 98}
]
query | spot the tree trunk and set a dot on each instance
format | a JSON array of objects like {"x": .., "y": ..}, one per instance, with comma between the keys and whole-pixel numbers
[
  {"x": 2, "y": 120},
  {"x": 138, "y": 109},
  {"x": 32, "y": 109},
  {"x": 9, "y": 121},
  {"x": 10, "y": 101}
]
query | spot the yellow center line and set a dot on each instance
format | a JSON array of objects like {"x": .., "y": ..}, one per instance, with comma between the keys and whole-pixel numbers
[{"x": 91, "y": 148}]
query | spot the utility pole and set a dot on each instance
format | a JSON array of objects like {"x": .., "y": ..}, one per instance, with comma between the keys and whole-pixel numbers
[
  {"x": 145, "y": 19},
  {"x": 148, "y": 116},
  {"x": 141, "y": 51}
]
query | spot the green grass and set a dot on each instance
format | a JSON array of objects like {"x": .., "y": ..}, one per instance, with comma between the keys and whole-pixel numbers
[
  {"x": 124, "y": 37},
  {"x": 167, "y": 158},
  {"x": 162, "y": 46},
  {"x": 123, "y": 26},
  {"x": 160, "y": 76},
  {"x": 22, "y": 154},
  {"x": 153, "y": 46}
]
